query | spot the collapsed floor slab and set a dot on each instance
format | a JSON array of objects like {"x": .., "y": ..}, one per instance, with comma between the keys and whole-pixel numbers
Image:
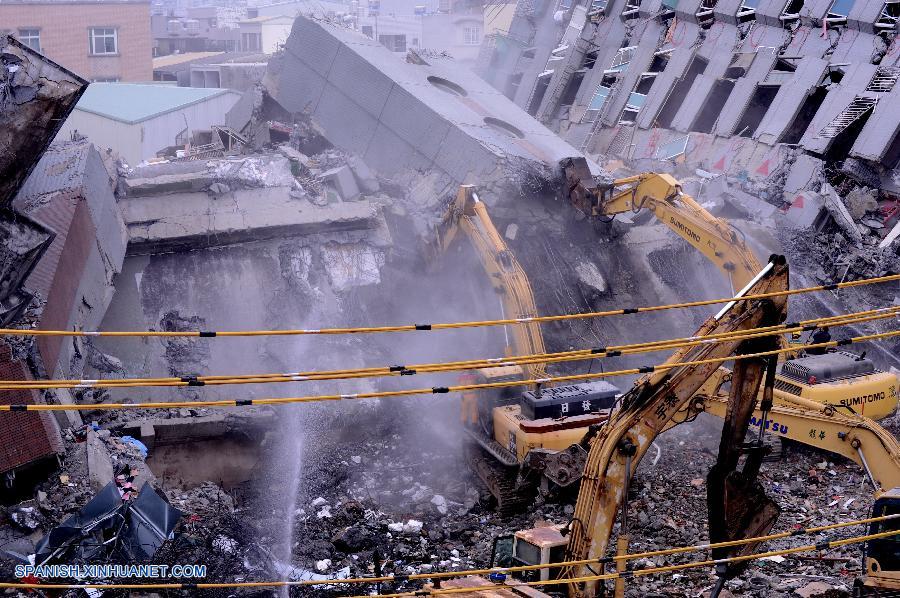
[{"x": 192, "y": 220}]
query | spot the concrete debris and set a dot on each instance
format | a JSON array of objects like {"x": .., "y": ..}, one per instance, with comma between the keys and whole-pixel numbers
[
  {"x": 440, "y": 503},
  {"x": 253, "y": 172},
  {"x": 25, "y": 517},
  {"x": 205, "y": 500},
  {"x": 806, "y": 169},
  {"x": 342, "y": 181},
  {"x": 365, "y": 178},
  {"x": 219, "y": 189},
  {"x": 803, "y": 210},
  {"x": 185, "y": 356},
  {"x": 817, "y": 589},
  {"x": 861, "y": 201},
  {"x": 99, "y": 461},
  {"x": 323, "y": 565},
  {"x": 841, "y": 215},
  {"x": 591, "y": 280},
  {"x": 225, "y": 544}
]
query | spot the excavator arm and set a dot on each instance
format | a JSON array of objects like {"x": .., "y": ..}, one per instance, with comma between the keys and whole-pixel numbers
[
  {"x": 468, "y": 216},
  {"x": 713, "y": 237},
  {"x": 721, "y": 243},
  {"x": 648, "y": 408}
]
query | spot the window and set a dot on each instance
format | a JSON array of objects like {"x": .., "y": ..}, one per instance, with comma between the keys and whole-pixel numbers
[
  {"x": 472, "y": 35},
  {"x": 597, "y": 7},
  {"x": 837, "y": 15},
  {"x": 632, "y": 7},
  {"x": 890, "y": 14},
  {"x": 791, "y": 11},
  {"x": 394, "y": 43},
  {"x": 621, "y": 59},
  {"x": 599, "y": 98},
  {"x": 251, "y": 42},
  {"x": 367, "y": 30},
  {"x": 104, "y": 40},
  {"x": 31, "y": 38}
]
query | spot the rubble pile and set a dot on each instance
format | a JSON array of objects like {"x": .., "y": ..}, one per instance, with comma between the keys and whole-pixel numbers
[{"x": 407, "y": 500}]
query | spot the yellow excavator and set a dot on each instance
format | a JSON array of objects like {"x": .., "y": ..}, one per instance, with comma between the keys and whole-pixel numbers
[
  {"x": 522, "y": 440},
  {"x": 504, "y": 427},
  {"x": 738, "y": 507}
]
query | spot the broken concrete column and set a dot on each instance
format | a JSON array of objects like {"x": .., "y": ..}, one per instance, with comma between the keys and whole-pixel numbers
[
  {"x": 99, "y": 462},
  {"x": 841, "y": 215},
  {"x": 365, "y": 178}
]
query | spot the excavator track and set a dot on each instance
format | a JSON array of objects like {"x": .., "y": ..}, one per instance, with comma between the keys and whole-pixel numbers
[{"x": 501, "y": 481}]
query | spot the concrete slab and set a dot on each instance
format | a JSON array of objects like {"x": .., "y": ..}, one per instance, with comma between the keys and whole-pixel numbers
[
  {"x": 183, "y": 221},
  {"x": 880, "y": 130},
  {"x": 99, "y": 462}
]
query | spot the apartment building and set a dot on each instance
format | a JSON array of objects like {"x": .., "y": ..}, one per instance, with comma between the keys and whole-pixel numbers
[{"x": 99, "y": 40}]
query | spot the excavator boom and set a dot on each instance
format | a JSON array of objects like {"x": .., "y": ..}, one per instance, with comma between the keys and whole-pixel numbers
[
  {"x": 647, "y": 410},
  {"x": 468, "y": 216}
]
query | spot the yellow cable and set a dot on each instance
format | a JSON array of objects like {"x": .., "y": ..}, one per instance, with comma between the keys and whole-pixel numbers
[
  {"x": 643, "y": 572},
  {"x": 446, "y": 326},
  {"x": 451, "y": 574},
  {"x": 381, "y": 371},
  {"x": 438, "y": 389}
]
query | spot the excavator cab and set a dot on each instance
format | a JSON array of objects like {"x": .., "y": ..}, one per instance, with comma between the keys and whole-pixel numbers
[
  {"x": 537, "y": 546},
  {"x": 881, "y": 557}
]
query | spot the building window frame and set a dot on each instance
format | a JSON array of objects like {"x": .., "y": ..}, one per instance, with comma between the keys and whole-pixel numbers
[
  {"x": 251, "y": 41},
  {"x": 104, "y": 33},
  {"x": 472, "y": 35},
  {"x": 30, "y": 36}
]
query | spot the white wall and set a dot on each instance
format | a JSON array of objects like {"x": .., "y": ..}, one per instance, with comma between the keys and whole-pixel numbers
[
  {"x": 104, "y": 133},
  {"x": 161, "y": 131},
  {"x": 137, "y": 142},
  {"x": 446, "y": 33},
  {"x": 275, "y": 33}
]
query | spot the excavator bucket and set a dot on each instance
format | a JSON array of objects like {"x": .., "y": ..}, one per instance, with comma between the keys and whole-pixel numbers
[
  {"x": 738, "y": 505},
  {"x": 748, "y": 512}
]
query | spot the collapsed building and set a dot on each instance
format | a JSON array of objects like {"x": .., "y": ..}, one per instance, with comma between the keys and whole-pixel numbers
[
  {"x": 318, "y": 215},
  {"x": 767, "y": 93},
  {"x": 63, "y": 243}
]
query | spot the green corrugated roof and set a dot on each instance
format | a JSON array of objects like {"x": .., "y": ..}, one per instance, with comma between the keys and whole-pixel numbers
[{"x": 133, "y": 103}]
